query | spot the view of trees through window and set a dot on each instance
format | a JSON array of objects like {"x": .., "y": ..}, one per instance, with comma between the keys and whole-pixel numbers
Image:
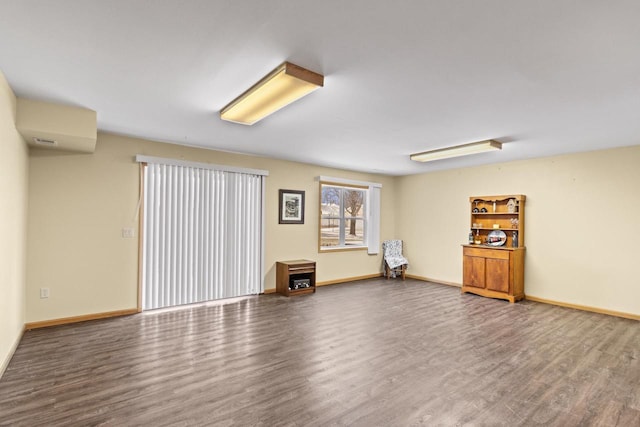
[{"x": 342, "y": 222}]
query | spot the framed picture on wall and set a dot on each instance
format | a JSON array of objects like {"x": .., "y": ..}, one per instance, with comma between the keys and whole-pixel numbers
[{"x": 291, "y": 209}]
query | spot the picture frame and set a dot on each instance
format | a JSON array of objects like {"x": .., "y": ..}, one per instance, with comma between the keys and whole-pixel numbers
[{"x": 291, "y": 207}]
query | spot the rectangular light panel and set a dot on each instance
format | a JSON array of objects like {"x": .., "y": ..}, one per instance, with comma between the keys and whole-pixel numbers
[
  {"x": 458, "y": 150},
  {"x": 279, "y": 88}
]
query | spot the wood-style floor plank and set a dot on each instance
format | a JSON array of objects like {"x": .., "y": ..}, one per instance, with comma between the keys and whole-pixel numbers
[{"x": 370, "y": 353}]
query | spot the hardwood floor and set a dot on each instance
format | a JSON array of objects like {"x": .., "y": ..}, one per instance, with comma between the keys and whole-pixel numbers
[{"x": 370, "y": 353}]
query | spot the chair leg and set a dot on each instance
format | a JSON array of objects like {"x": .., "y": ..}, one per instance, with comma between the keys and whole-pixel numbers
[
  {"x": 403, "y": 269},
  {"x": 387, "y": 271}
]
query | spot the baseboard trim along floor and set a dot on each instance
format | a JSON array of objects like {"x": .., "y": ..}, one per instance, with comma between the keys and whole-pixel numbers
[{"x": 76, "y": 319}]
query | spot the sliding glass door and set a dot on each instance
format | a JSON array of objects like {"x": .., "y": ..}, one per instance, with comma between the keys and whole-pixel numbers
[{"x": 202, "y": 234}]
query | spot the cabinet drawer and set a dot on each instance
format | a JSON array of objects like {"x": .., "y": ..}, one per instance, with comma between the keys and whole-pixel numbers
[
  {"x": 298, "y": 269},
  {"x": 486, "y": 253}
]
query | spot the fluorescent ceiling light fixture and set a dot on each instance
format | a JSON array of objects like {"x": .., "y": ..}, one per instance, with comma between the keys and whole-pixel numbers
[
  {"x": 281, "y": 87},
  {"x": 458, "y": 150}
]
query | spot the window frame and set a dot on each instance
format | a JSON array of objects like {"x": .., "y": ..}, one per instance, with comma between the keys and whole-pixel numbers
[{"x": 343, "y": 219}]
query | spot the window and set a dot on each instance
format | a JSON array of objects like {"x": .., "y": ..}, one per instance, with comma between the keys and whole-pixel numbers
[
  {"x": 349, "y": 215},
  {"x": 343, "y": 221}
]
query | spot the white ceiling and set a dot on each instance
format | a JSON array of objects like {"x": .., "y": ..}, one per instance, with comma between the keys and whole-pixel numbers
[{"x": 546, "y": 77}]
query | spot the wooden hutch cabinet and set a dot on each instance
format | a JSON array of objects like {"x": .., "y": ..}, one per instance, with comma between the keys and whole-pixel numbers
[{"x": 493, "y": 261}]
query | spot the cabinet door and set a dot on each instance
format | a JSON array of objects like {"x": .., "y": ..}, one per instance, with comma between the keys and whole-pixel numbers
[
  {"x": 497, "y": 274},
  {"x": 473, "y": 271}
]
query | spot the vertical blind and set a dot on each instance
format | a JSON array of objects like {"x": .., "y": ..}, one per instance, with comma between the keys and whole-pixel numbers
[{"x": 202, "y": 235}]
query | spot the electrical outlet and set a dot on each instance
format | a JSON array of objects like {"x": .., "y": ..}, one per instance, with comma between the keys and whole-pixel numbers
[
  {"x": 44, "y": 292},
  {"x": 128, "y": 232}
]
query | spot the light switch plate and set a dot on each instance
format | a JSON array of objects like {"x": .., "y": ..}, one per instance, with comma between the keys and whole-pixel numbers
[{"x": 128, "y": 232}]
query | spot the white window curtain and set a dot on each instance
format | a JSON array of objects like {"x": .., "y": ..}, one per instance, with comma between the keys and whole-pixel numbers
[
  {"x": 372, "y": 232},
  {"x": 202, "y": 233}
]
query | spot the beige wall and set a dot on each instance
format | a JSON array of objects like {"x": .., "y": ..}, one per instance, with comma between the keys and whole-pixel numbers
[
  {"x": 582, "y": 228},
  {"x": 13, "y": 225},
  {"x": 80, "y": 202}
]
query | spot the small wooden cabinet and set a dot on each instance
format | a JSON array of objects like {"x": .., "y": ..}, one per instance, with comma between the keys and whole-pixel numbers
[
  {"x": 289, "y": 274},
  {"x": 496, "y": 273},
  {"x": 490, "y": 269}
]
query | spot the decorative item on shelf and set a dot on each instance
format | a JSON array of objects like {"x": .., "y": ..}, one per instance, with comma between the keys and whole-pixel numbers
[
  {"x": 496, "y": 238},
  {"x": 514, "y": 240},
  {"x": 476, "y": 210},
  {"x": 511, "y": 206},
  {"x": 477, "y": 241},
  {"x": 471, "y": 237},
  {"x": 494, "y": 206},
  {"x": 515, "y": 222},
  {"x": 483, "y": 210},
  {"x": 299, "y": 284},
  {"x": 496, "y": 226}
]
